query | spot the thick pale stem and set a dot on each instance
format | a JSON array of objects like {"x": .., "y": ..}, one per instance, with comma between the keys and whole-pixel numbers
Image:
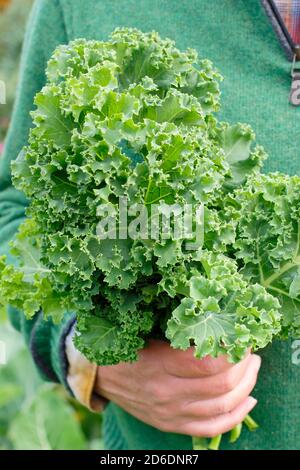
[
  {"x": 235, "y": 433},
  {"x": 215, "y": 442},
  {"x": 250, "y": 423},
  {"x": 200, "y": 443}
]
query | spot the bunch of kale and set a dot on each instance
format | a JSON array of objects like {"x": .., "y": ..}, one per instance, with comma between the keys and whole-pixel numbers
[{"x": 133, "y": 120}]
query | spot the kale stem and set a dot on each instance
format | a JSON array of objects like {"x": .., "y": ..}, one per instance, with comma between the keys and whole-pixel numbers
[
  {"x": 148, "y": 189},
  {"x": 199, "y": 443},
  {"x": 215, "y": 442},
  {"x": 235, "y": 433},
  {"x": 250, "y": 423},
  {"x": 286, "y": 267}
]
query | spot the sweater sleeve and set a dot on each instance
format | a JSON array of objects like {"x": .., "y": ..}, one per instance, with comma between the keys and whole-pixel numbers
[{"x": 46, "y": 29}]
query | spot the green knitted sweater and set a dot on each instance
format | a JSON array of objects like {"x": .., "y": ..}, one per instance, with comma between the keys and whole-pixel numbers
[{"x": 238, "y": 37}]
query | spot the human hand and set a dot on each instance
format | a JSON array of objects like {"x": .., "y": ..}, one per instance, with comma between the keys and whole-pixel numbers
[{"x": 175, "y": 392}]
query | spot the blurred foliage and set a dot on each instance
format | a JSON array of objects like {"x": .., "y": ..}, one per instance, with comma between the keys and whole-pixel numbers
[
  {"x": 12, "y": 27},
  {"x": 4, "y": 4},
  {"x": 35, "y": 415}
]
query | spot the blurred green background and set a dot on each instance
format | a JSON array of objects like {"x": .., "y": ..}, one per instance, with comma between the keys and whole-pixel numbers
[
  {"x": 13, "y": 16},
  {"x": 33, "y": 415}
]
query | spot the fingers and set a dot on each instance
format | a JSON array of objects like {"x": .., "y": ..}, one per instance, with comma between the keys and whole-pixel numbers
[
  {"x": 174, "y": 392},
  {"x": 229, "y": 401},
  {"x": 220, "y": 424},
  {"x": 214, "y": 386},
  {"x": 184, "y": 364}
]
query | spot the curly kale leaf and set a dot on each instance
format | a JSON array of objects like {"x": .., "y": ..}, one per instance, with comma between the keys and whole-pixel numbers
[
  {"x": 268, "y": 240},
  {"x": 28, "y": 286},
  {"x": 244, "y": 160},
  {"x": 223, "y": 314}
]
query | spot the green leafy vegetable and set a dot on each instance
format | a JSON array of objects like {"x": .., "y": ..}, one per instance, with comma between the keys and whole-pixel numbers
[
  {"x": 223, "y": 313},
  {"x": 268, "y": 240},
  {"x": 124, "y": 136},
  {"x": 36, "y": 426},
  {"x": 131, "y": 121}
]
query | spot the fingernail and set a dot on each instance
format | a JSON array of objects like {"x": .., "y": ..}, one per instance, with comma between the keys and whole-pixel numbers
[
  {"x": 252, "y": 402},
  {"x": 258, "y": 361}
]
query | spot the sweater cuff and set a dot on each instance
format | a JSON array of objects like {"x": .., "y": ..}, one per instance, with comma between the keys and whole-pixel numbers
[
  {"x": 47, "y": 345},
  {"x": 81, "y": 376}
]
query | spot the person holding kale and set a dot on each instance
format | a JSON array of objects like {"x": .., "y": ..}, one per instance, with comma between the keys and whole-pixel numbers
[{"x": 167, "y": 395}]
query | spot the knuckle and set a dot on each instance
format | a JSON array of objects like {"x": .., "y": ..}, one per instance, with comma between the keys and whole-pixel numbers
[
  {"x": 158, "y": 394},
  {"x": 207, "y": 365},
  {"x": 229, "y": 382},
  {"x": 223, "y": 406},
  {"x": 199, "y": 411},
  {"x": 163, "y": 413}
]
